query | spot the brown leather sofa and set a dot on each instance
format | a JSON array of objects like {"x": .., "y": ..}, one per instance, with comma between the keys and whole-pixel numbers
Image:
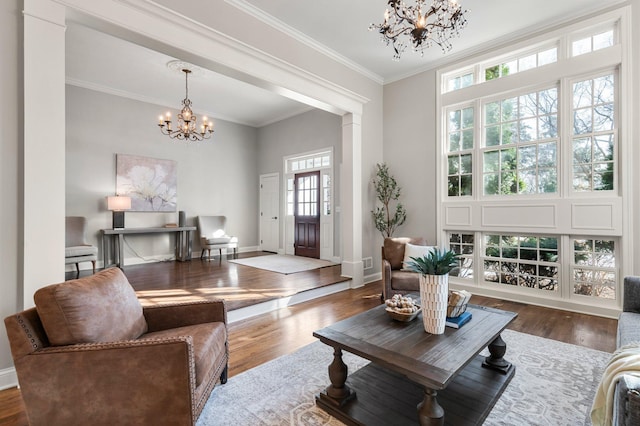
[
  {"x": 394, "y": 279},
  {"x": 90, "y": 354}
]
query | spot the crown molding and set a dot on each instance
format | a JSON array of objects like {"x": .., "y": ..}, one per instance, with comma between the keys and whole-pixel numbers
[
  {"x": 158, "y": 11},
  {"x": 274, "y": 22}
]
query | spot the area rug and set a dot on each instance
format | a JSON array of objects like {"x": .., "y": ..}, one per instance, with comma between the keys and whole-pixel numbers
[
  {"x": 554, "y": 385},
  {"x": 283, "y": 264}
]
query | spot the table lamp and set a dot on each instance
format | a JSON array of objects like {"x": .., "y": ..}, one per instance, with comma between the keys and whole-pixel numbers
[{"x": 118, "y": 204}]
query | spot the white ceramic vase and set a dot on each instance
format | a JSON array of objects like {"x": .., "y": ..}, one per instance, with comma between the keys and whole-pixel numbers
[{"x": 434, "y": 294}]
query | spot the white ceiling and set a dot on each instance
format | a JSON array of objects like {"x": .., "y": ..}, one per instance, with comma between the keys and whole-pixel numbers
[{"x": 339, "y": 28}]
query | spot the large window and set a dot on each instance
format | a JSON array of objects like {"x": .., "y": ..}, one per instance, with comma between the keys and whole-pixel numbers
[
  {"x": 594, "y": 268},
  {"x": 460, "y": 158},
  {"x": 525, "y": 128},
  {"x": 521, "y": 63},
  {"x": 463, "y": 245},
  {"x": 593, "y": 134},
  {"x": 532, "y": 165},
  {"x": 525, "y": 261}
]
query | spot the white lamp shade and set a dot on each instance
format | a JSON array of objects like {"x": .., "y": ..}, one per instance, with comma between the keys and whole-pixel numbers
[{"x": 118, "y": 203}]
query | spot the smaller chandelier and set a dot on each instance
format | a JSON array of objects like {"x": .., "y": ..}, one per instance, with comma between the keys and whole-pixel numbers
[
  {"x": 424, "y": 25},
  {"x": 187, "y": 128}
]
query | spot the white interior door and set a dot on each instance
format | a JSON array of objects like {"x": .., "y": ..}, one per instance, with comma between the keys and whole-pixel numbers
[{"x": 269, "y": 212}]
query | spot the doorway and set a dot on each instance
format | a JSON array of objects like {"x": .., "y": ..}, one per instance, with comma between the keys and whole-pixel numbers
[
  {"x": 307, "y": 214},
  {"x": 269, "y": 212}
]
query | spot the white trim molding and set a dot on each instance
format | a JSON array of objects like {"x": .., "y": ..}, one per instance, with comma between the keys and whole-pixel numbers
[
  {"x": 8, "y": 378},
  {"x": 274, "y": 22}
]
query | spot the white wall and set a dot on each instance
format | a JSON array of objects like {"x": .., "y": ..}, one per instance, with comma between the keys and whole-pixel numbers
[
  {"x": 635, "y": 136},
  {"x": 215, "y": 177},
  {"x": 10, "y": 169}
]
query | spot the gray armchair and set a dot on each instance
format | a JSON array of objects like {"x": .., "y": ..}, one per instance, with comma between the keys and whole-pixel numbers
[
  {"x": 77, "y": 249},
  {"x": 214, "y": 236}
]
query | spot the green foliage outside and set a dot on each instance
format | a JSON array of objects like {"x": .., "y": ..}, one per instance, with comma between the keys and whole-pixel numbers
[
  {"x": 495, "y": 72},
  {"x": 387, "y": 192}
]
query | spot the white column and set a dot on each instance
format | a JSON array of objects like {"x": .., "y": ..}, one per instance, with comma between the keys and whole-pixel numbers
[
  {"x": 44, "y": 146},
  {"x": 351, "y": 199}
]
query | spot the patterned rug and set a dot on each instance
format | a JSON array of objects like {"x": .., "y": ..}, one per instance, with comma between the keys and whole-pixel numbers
[
  {"x": 554, "y": 385},
  {"x": 283, "y": 264}
]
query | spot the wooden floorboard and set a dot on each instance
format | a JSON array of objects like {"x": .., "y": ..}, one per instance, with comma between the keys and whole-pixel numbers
[{"x": 257, "y": 340}]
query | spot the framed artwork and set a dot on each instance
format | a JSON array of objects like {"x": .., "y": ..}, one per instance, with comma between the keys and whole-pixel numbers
[{"x": 151, "y": 183}]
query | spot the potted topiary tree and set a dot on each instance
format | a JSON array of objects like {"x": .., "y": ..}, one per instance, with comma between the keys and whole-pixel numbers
[
  {"x": 434, "y": 268},
  {"x": 387, "y": 191}
]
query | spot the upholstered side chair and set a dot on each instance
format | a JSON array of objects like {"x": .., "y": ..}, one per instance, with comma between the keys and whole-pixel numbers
[
  {"x": 395, "y": 278},
  {"x": 213, "y": 236},
  {"x": 90, "y": 354},
  {"x": 77, "y": 249}
]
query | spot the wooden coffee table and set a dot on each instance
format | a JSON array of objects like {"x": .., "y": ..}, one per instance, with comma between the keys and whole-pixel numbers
[{"x": 442, "y": 375}]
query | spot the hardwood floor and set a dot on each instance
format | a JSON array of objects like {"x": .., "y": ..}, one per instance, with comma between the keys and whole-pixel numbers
[{"x": 268, "y": 336}]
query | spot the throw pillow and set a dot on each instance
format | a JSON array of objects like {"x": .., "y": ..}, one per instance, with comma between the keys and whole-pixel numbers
[{"x": 411, "y": 250}]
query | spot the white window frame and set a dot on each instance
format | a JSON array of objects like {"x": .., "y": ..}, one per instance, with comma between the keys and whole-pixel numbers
[{"x": 569, "y": 213}]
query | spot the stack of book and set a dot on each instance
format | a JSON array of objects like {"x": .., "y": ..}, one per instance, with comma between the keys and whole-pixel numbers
[{"x": 459, "y": 321}]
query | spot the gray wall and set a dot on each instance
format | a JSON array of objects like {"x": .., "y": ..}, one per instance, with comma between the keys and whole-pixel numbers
[
  {"x": 306, "y": 132},
  {"x": 215, "y": 177},
  {"x": 410, "y": 149},
  {"x": 10, "y": 166}
]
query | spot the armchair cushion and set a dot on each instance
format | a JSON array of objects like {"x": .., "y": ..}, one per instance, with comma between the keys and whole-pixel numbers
[
  {"x": 100, "y": 308},
  {"x": 405, "y": 281},
  {"x": 76, "y": 251},
  {"x": 209, "y": 341},
  {"x": 393, "y": 249},
  {"x": 218, "y": 240}
]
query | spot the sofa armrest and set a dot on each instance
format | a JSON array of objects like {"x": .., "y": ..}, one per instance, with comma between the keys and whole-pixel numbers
[
  {"x": 631, "y": 298},
  {"x": 626, "y": 401},
  {"x": 147, "y": 381},
  {"x": 164, "y": 317}
]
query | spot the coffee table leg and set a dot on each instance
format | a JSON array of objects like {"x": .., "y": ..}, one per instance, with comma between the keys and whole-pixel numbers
[
  {"x": 430, "y": 413},
  {"x": 496, "y": 360},
  {"x": 338, "y": 391}
]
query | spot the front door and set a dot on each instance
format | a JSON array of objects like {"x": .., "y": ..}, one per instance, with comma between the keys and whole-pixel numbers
[{"x": 307, "y": 214}]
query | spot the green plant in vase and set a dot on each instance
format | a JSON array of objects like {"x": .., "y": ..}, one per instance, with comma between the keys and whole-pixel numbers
[
  {"x": 436, "y": 262},
  {"x": 434, "y": 268}
]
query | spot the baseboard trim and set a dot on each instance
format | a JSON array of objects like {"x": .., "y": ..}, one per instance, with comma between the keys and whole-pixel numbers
[
  {"x": 8, "y": 378},
  {"x": 372, "y": 277}
]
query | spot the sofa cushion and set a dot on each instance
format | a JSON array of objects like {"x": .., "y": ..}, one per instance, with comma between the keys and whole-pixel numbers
[
  {"x": 208, "y": 343},
  {"x": 394, "y": 249},
  {"x": 98, "y": 308}
]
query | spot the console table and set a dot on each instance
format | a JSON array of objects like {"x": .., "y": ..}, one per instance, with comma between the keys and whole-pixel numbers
[{"x": 114, "y": 239}]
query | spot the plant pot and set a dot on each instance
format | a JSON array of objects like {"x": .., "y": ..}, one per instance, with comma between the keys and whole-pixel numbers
[{"x": 434, "y": 293}]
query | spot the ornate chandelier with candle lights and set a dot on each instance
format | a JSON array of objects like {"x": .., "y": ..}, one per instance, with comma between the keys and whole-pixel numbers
[
  {"x": 187, "y": 125},
  {"x": 423, "y": 25}
]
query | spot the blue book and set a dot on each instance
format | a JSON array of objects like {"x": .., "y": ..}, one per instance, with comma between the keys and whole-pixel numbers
[{"x": 459, "y": 321}]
